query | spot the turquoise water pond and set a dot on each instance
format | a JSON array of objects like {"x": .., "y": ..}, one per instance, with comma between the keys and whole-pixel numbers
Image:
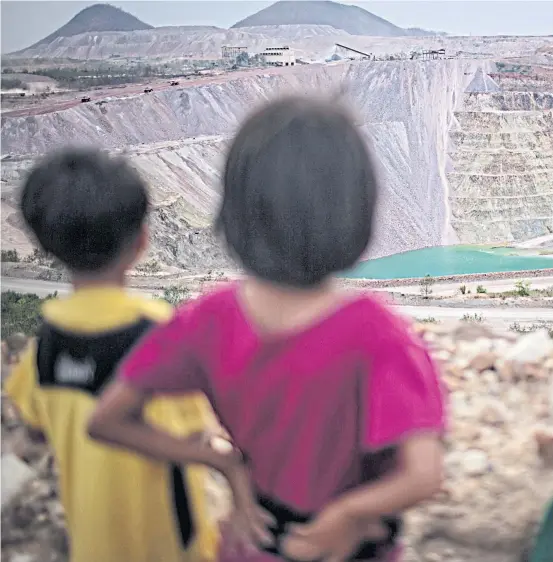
[{"x": 450, "y": 260}]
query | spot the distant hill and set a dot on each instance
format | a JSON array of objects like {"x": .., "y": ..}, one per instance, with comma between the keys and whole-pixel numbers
[
  {"x": 352, "y": 19},
  {"x": 97, "y": 18}
]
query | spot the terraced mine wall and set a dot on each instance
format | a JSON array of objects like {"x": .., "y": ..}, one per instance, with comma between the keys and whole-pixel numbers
[
  {"x": 501, "y": 183},
  {"x": 177, "y": 137},
  {"x": 456, "y": 167}
]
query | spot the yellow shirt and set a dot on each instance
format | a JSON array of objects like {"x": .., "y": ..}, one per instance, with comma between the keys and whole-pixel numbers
[{"x": 119, "y": 506}]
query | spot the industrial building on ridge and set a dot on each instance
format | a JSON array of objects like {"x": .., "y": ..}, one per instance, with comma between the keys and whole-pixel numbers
[
  {"x": 232, "y": 52},
  {"x": 279, "y": 56}
]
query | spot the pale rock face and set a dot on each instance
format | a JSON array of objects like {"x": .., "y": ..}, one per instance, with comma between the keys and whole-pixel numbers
[
  {"x": 501, "y": 165},
  {"x": 454, "y": 167},
  {"x": 309, "y": 42}
]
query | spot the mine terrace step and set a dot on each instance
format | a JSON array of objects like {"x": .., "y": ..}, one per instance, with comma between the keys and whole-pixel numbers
[
  {"x": 529, "y": 175},
  {"x": 525, "y": 196}
]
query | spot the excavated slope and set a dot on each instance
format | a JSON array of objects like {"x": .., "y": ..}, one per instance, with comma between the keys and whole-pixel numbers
[
  {"x": 404, "y": 108},
  {"x": 178, "y": 41},
  {"x": 502, "y": 152},
  {"x": 309, "y": 41}
]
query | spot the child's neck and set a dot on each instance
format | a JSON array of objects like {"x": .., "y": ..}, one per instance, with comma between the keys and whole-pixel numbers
[
  {"x": 282, "y": 294},
  {"x": 97, "y": 281},
  {"x": 275, "y": 308}
]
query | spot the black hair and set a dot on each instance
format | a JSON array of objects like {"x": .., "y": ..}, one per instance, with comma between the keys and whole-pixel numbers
[
  {"x": 84, "y": 207},
  {"x": 299, "y": 193}
]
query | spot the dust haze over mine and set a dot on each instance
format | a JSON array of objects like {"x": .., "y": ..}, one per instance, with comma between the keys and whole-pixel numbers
[{"x": 461, "y": 126}]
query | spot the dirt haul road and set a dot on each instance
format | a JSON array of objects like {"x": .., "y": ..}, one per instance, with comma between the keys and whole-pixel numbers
[
  {"x": 497, "y": 316},
  {"x": 138, "y": 89}
]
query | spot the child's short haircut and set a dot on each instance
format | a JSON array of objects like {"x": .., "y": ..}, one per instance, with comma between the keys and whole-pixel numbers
[
  {"x": 299, "y": 193},
  {"x": 84, "y": 207}
]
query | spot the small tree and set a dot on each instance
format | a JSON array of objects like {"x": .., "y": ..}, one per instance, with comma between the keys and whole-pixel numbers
[
  {"x": 426, "y": 284},
  {"x": 243, "y": 59},
  {"x": 463, "y": 289},
  {"x": 522, "y": 288}
]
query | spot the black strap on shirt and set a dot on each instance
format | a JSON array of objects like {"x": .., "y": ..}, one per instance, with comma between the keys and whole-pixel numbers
[
  {"x": 87, "y": 363},
  {"x": 84, "y": 362}
]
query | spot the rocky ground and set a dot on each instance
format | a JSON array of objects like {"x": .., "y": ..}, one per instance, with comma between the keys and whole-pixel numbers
[{"x": 499, "y": 464}]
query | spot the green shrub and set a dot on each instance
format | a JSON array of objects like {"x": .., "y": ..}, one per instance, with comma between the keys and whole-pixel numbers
[
  {"x": 481, "y": 290},
  {"x": 476, "y": 318},
  {"x": 13, "y": 84},
  {"x": 175, "y": 295},
  {"x": 429, "y": 320},
  {"x": 547, "y": 292},
  {"x": 149, "y": 267},
  {"x": 522, "y": 288},
  {"x": 21, "y": 313},
  {"x": 40, "y": 257},
  {"x": 528, "y": 329},
  {"x": 10, "y": 256}
]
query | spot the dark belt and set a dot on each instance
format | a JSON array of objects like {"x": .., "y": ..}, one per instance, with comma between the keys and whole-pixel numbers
[{"x": 368, "y": 550}]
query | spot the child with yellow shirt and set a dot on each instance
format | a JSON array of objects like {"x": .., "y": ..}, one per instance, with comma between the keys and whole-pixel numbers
[{"x": 89, "y": 211}]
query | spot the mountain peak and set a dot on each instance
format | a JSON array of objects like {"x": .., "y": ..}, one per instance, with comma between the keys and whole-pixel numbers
[
  {"x": 353, "y": 19},
  {"x": 97, "y": 18}
]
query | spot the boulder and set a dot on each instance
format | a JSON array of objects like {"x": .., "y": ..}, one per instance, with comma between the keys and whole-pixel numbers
[{"x": 14, "y": 475}]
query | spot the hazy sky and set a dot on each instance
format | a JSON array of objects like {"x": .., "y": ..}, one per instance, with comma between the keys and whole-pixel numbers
[{"x": 26, "y": 21}]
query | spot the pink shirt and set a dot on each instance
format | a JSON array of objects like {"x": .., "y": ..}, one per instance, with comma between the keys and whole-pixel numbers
[{"x": 307, "y": 408}]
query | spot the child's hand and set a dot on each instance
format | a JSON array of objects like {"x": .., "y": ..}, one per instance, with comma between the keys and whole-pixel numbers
[
  {"x": 332, "y": 536},
  {"x": 248, "y": 527},
  {"x": 247, "y": 530}
]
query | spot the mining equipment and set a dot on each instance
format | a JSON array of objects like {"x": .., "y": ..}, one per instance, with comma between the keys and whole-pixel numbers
[{"x": 365, "y": 55}]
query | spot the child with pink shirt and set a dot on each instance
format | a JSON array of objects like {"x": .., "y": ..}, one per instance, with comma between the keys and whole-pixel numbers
[{"x": 335, "y": 406}]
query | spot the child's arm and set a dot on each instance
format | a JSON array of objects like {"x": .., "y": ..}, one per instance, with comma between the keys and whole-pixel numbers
[
  {"x": 417, "y": 478},
  {"x": 166, "y": 362},
  {"x": 353, "y": 518},
  {"x": 118, "y": 420}
]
